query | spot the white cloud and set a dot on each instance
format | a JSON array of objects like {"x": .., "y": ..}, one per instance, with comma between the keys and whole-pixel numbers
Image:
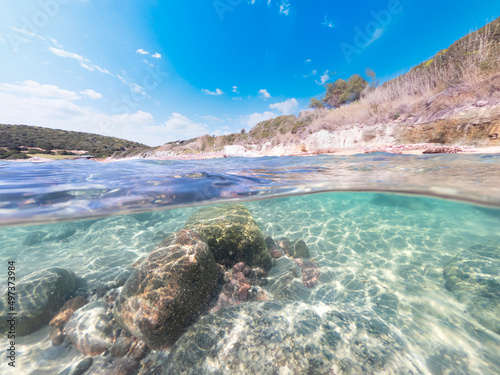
[
  {"x": 314, "y": 72},
  {"x": 255, "y": 118},
  {"x": 285, "y": 7},
  {"x": 156, "y": 56},
  {"x": 62, "y": 113},
  {"x": 235, "y": 89},
  {"x": 308, "y": 61},
  {"x": 142, "y": 52},
  {"x": 223, "y": 131},
  {"x": 67, "y": 55},
  {"x": 328, "y": 23},
  {"x": 264, "y": 94},
  {"x": 91, "y": 94},
  {"x": 216, "y": 92},
  {"x": 84, "y": 63},
  {"x": 132, "y": 86},
  {"x": 287, "y": 107},
  {"x": 324, "y": 78},
  {"x": 35, "y": 89},
  {"x": 54, "y": 108},
  {"x": 181, "y": 127},
  {"x": 147, "y": 62}
]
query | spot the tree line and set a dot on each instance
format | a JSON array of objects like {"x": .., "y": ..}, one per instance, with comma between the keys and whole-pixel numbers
[{"x": 18, "y": 138}]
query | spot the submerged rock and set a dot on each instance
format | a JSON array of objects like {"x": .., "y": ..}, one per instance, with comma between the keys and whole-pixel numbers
[
  {"x": 168, "y": 290},
  {"x": 34, "y": 238},
  {"x": 310, "y": 272},
  {"x": 78, "y": 369},
  {"x": 39, "y": 296},
  {"x": 474, "y": 277},
  {"x": 274, "y": 337},
  {"x": 300, "y": 249},
  {"x": 232, "y": 234},
  {"x": 90, "y": 329},
  {"x": 60, "y": 234},
  {"x": 57, "y": 323}
]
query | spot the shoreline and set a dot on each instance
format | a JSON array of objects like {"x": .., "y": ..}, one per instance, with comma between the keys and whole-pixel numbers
[{"x": 403, "y": 149}]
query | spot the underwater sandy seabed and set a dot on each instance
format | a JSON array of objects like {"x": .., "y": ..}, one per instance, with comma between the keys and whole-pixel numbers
[{"x": 382, "y": 304}]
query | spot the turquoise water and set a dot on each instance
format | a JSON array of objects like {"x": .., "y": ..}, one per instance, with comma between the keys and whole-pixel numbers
[{"x": 407, "y": 285}]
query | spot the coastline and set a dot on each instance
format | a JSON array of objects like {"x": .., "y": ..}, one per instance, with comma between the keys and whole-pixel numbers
[{"x": 403, "y": 149}]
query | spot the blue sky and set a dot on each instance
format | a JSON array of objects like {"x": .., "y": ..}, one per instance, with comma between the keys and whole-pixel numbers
[{"x": 154, "y": 72}]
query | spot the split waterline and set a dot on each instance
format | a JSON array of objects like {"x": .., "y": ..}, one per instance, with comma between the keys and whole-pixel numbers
[{"x": 405, "y": 284}]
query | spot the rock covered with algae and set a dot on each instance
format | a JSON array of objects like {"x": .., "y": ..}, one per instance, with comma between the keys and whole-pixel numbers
[
  {"x": 232, "y": 234},
  {"x": 168, "y": 290}
]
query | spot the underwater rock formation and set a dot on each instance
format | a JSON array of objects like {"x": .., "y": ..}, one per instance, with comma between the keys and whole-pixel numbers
[
  {"x": 474, "y": 277},
  {"x": 168, "y": 290},
  {"x": 241, "y": 284},
  {"x": 65, "y": 313},
  {"x": 232, "y": 234},
  {"x": 90, "y": 329},
  {"x": 39, "y": 296},
  {"x": 300, "y": 249}
]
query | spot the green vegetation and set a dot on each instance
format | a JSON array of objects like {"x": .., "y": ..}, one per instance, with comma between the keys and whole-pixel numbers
[
  {"x": 29, "y": 137},
  {"x": 341, "y": 92},
  {"x": 12, "y": 153},
  {"x": 269, "y": 128}
]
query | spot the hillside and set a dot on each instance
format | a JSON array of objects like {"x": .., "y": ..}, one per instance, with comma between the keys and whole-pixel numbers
[
  {"x": 451, "y": 99},
  {"x": 18, "y": 139}
]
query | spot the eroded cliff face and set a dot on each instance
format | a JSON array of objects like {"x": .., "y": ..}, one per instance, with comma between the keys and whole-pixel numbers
[{"x": 472, "y": 127}]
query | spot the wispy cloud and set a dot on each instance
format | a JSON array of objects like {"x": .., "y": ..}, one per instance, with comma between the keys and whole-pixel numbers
[
  {"x": 216, "y": 92},
  {"x": 211, "y": 118},
  {"x": 91, "y": 94},
  {"x": 88, "y": 65},
  {"x": 308, "y": 61},
  {"x": 313, "y": 73},
  {"x": 324, "y": 78},
  {"x": 84, "y": 62},
  {"x": 235, "y": 89},
  {"x": 264, "y": 94},
  {"x": 328, "y": 23},
  {"x": 376, "y": 35},
  {"x": 67, "y": 55},
  {"x": 155, "y": 55},
  {"x": 285, "y": 7}
]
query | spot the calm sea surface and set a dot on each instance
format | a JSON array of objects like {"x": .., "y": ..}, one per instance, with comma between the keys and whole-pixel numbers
[{"x": 407, "y": 247}]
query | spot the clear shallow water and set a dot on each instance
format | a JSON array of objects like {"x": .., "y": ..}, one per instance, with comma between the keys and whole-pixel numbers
[{"x": 382, "y": 304}]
